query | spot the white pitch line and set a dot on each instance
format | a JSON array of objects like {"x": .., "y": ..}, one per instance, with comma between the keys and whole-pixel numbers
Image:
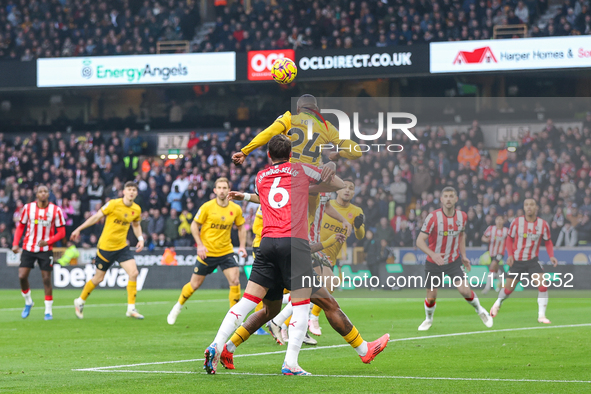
[
  {"x": 109, "y": 305},
  {"x": 362, "y": 376},
  {"x": 99, "y": 369}
]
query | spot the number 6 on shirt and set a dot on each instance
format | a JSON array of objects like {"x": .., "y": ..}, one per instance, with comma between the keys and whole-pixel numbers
[{"x": 275, "y": 189}]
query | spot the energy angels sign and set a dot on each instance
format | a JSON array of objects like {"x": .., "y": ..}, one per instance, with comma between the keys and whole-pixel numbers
[{"x": 136, "y": 70}]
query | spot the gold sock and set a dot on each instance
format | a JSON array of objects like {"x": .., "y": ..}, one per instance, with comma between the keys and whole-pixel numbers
[
  {"x": 353, "y": 338},
  {"x": 88, "y": 288},
  {"x": 240, "y": 335},
  {"x": 186, "y": 293},
  {"x": 316, "y": 310},
  {"x": 234, "y": 295},
  {"x": 286, "y": 322},
  {"x": 259, "y": 306},
  {"x": 131, "y": 292}
]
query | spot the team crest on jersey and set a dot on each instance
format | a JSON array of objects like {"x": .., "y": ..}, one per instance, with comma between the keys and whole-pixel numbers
[{"x": 125, "y": 215}]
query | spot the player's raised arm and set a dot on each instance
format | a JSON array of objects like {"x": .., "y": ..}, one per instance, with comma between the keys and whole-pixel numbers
[
  {"x": 281, "y": 125},
  {"x": 333, "y": 213},
  {"x": 91, "y": 221},
  {"x": 347, "y": 149},
  {"x": 240, "y": 196}
]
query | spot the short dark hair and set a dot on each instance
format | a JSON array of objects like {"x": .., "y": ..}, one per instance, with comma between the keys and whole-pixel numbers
[
  {"x": 449, "y": 189},
  {"x": 130, "y": 184},
  {"x": 349, "y": 180},
  {"x": 280, "y": 147}
]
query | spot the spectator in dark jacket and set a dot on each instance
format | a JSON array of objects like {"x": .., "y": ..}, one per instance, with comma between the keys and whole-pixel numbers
[{"x": 403, "y": 238}]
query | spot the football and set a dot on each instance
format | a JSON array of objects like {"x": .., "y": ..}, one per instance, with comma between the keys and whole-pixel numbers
[{"x": 284, "y": 70}]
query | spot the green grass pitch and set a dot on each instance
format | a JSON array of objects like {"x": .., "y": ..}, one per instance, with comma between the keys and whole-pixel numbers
[{"x": 517, "y": 355}]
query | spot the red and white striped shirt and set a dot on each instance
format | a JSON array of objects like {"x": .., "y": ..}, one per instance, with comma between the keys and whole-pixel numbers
[
  {"x": 498, "y": 236},
  {"x": 41, "y": 224},
  {"x": 314, "y": 235},
  {"x": 527, "y": 236},
  {"x": 444, "y": 233}
]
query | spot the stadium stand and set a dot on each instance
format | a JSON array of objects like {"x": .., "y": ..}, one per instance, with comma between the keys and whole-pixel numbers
[
  {"x": 31, "y": 29},
  {"x": 396, "y": 191}
]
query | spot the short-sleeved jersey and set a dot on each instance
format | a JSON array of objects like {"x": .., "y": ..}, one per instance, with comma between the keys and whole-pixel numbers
[
  {"x": 283, "y": 192},
  {"x": 527, "y": 237},
  {"x": 216, "y": 226},
  {"x": 118, "y": 219},
  {"x": 257, "y": 228},
  {"x": 332, "y": 226},
  {"x": 444, "y": 233},
  {"x": 41, "y": 224},
  {"x": 304, "y": 149},
  {"x": 497, "y": 236}
]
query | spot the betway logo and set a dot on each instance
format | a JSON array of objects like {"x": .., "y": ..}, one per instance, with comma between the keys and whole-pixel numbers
[
  {"x": 479, "y": 55},
  {"x": 77, "y": 277}
]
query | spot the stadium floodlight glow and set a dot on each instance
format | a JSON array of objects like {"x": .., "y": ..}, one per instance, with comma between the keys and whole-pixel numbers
[
  {"x": 163, "y": 157},
  {"x": 173, "y": 156}
]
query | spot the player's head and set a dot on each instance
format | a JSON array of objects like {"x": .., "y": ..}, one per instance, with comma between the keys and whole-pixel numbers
[
  {"x": 130, "y": 190},
  {"x": 530, "y": 207},
  {"x": 449, "y": 197},
  {"x": 499, "y": 221},
  {"x": 222, "y": 188},
  {"x": 307, "y": 101},
  {"x": 279, "y": 148},
  {"x": 346, "y": 194},
  {"x": 42, "y": 193}
]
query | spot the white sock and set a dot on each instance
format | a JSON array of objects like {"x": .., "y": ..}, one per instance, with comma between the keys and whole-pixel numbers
[
  {"x": 429, "y": 311},
  {"x": 502, "y": 296},
  {"x": 313, "y": 317},
  {"x": 297, "y": 332},
  {"x": 48, "y": 305},
  {"x": 362, "y": 349},
  {"x": 542, "y": 303},
  {"x": 27, "y": 296},
  {"x": 130, "y": 307},
  {"x": 233, "y": 320},
  {"x": 177, "y": 307},
  {"x": 474, "y": 302},
  {"x": 284, "y": 314},
  {"x": 283, "y": 326},
  {"x": 286, "y": 298},
  {"x": 230, "y": 346}
]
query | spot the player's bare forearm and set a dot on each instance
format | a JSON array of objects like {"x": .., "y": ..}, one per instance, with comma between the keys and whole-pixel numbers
[
  {"x": 485, "y": 239},
  {"x": 91, "y": 221},
  {"x": 316, "y": 247},
  {"x": 137, "y": 229},
  {"x": 422, "y": 244},
  {"x": 242, "y": 236},
  {"x": 196, "y": 231},
  {"x": 333, "y": 213},
  {"x": 239, "y": 196},
  {"x": 326, "y": 187}
]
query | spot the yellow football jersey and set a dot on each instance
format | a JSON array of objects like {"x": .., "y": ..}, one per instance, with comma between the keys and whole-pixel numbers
[
  {"x": 216, "y": 226},
  {"x": 257, "y": 228},
  {"x": 118, "y": 219},
  {"x": 305, "y": 150},
  {"x": 332, "y": 226}
]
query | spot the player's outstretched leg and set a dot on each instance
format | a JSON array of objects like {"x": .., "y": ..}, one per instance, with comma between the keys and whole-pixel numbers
[
  {"x": 542, "y": 305},
  {"x": 186, "y": 293},
  {"x": 503, "y": 295},
  {"x": 79, "y": 302},
  {"x": 131, "y": 268},
  {"x": 472, "y": 299},
  {"x": 275, "y": 324},
  {"x": 231, "y": 322},
  {"x": 251, "y": 325},
  {"x": 23, "y": 276},
  {"x": 341, "y": 324}
]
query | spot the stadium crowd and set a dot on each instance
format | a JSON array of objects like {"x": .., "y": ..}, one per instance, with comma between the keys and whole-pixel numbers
[
  {"x": 31, "y": 29},
  {"x": 396, "y": 191}
]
